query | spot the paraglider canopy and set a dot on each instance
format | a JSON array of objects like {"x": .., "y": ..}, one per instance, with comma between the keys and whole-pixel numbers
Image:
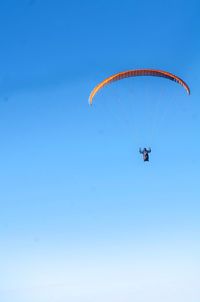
[{"x": 134, "y": 73}]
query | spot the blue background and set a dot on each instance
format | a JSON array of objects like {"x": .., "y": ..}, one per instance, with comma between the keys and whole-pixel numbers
[{"x": 82, "y": 217}]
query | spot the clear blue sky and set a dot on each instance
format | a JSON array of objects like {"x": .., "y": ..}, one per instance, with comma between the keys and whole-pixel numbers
[{"x": 82, "y": 218}]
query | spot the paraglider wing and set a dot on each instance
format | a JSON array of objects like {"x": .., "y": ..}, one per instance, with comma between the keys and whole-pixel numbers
[{"x": 134, "y": 73}]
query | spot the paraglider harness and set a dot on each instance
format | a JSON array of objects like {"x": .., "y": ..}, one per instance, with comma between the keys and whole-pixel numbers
[{"x": 145, "y": 153}]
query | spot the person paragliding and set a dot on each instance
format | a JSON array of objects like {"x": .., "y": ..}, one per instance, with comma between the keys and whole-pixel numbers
[
  {"x": 134, "y": 73},
  {"x": 145, "y": 152}
]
